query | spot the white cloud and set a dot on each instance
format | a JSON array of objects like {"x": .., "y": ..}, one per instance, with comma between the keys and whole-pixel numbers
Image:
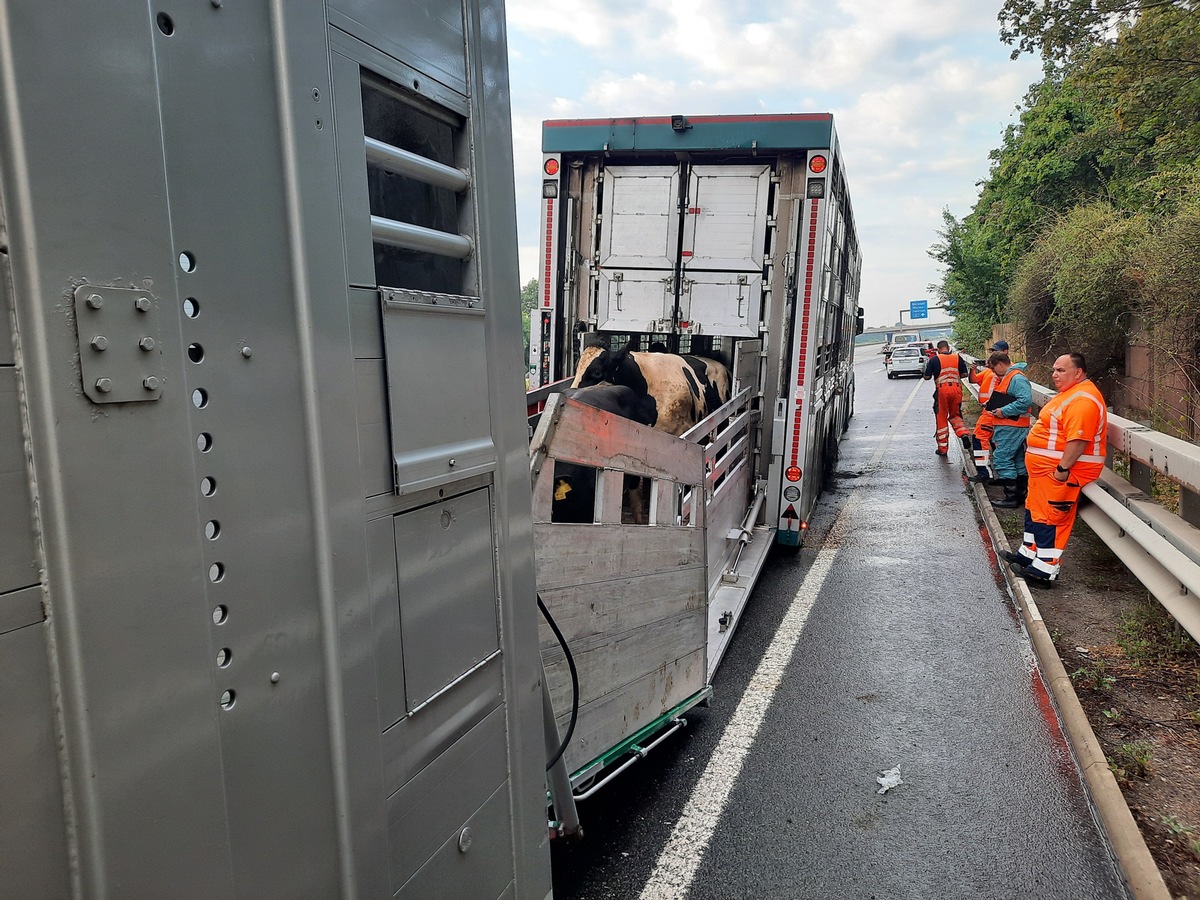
[{"x": 921, "y": 90}]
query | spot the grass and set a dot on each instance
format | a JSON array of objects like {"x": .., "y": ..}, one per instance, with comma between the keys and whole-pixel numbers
[
  {"x": 1094, "y": 677},
  {"x": 1131, "y": 760},
  {"x": 1148, "y": 632},
  {"x": 1181, "y": 829}
]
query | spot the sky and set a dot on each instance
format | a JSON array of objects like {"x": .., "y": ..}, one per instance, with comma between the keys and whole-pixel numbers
[{"x": 920, "y": 91}]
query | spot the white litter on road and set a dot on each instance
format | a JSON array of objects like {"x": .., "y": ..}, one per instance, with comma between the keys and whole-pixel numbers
[{"x": 888, "y": 779}]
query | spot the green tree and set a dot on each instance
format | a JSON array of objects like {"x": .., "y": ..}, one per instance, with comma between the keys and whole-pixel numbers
[
  {"x": 1062, "y": 29},
  {"x": 1149, "y": 77},
  {"x": 1046, "y": 163},
  {"x": 529, "y": 294}
]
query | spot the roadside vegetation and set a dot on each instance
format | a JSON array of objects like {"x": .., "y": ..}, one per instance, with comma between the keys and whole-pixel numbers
[{"x": 1086, "y": 234}]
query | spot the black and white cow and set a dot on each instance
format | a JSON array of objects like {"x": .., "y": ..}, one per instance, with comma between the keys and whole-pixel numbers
[{"x": 684, "y": 389}]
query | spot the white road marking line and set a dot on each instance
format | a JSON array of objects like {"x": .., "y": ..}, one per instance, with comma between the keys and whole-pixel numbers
[{"x": 679, "y": 860}]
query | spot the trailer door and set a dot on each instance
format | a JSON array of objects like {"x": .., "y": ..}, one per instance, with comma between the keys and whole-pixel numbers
[
  {"x": 726, "y": 223},
  {"x": 640, "y": 224},
  {"x": 725, "y": 243},
  {"x": 639, "y": 248}
]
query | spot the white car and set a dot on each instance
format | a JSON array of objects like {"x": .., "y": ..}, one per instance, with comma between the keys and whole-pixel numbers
[{"x": 905, "y": 361}]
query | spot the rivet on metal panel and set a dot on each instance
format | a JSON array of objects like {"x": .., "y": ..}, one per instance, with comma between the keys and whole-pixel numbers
[
  {"x": 453, "y": 462},
  {"x": 464, "y": 840},
  {"x": 104, "y": 385},
  {"x": 146, "y": 343},
  {"x": 319, "y": 124},
  {"x": 95, "y": 301},
  {"x": 216, "y": 3},
  {"x": 316, "y": 94},
  {"x": 246, "y": 352},
  {"x": 274, "y": 678},
  {"x": 150, "y": 383},
  {"x": 99, "y": 342},
  {"x": 142, "y": 304}
]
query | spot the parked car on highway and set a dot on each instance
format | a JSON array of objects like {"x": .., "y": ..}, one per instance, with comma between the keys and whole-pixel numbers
[{"x": 905, "y": 361}]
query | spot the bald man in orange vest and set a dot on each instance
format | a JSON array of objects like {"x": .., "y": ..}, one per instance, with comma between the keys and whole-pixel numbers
[{"x": 1065, "y": 450}]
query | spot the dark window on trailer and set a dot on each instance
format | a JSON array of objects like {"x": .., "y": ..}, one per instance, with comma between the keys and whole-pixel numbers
[{"x": 392, "y": 117}]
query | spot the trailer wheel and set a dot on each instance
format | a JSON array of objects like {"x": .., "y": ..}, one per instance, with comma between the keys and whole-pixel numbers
[{"x": 830, "y": 459}]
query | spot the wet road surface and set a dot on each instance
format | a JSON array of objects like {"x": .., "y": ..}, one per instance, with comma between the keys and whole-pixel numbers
[{"x": 889, "y": 641}]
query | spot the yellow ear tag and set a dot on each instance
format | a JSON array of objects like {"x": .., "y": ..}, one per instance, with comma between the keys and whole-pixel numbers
[{"x": 561, "y": 490}]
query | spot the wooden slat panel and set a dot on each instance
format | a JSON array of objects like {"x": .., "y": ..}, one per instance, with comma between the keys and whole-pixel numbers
[
  {"x": 606, "y": 722},
  {"x": 592, "y": 554},
  {"x": 609, "y": 485},
  {"x": 611, "y": 662},
  {"x": 596, "y": 438},
  {"x": 621, "y": 605},
  {"x": 664, "y": 503}
]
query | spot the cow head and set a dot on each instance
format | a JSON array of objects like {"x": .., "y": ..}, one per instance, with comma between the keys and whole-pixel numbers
[
  {"x": 593, "y": 366},
  {"x": 598, "y": 364}
]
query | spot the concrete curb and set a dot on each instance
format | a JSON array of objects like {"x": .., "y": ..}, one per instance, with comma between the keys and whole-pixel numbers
[{"x": 1138, "y": 866}]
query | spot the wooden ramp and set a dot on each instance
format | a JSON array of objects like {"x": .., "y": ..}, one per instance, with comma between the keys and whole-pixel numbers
[{"x": 631, "y": 600}]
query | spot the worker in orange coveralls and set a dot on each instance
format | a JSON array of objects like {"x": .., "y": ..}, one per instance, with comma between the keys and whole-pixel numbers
[
  {"x": 948, "y": 368},
  {"x": 1065, "y": 451},
  {"x": 981, "y": 439}
]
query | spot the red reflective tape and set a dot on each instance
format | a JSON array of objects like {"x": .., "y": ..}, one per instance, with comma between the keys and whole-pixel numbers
[
  {"x": 549, "y": 251},
  {"x": 802, "y": 356}
]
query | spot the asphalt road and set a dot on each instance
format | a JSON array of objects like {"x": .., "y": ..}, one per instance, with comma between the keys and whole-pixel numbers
[{"x": 889, "y": 641}]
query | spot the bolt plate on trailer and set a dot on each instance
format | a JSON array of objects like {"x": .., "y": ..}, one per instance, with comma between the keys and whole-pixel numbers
[{"x": 120, "y": 358}]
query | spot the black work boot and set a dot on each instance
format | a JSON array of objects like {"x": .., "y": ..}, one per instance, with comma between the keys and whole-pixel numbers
[
  {"x": 982, "y": 477},
  {"x": 1012, "y": 497},
  {"x": 966, "y": 441}
]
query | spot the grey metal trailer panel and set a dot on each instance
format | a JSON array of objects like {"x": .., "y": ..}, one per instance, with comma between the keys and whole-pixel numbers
[{"x": 241, "y": 684}]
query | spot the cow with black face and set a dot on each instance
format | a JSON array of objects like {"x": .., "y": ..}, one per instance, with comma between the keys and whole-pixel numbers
[
  {"x": 684, "y": 389},
  {"x": 575, "y": 485}
]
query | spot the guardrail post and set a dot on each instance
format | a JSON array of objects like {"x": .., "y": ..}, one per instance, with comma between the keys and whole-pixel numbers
[
  {"x": 1189, "y": 506},
  {"x": 1139, "y": 475}
]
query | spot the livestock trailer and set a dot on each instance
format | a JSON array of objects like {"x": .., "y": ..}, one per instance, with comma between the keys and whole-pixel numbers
[
  {"x": 722, "y": 236},
  {"x": 267, "y": 601}
]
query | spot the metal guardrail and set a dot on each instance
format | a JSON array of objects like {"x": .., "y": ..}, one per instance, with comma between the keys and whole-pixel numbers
[{"x": 1161, "y": 549}]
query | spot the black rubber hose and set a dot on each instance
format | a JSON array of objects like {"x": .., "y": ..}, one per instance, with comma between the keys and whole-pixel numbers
[{"x": 562, "y": 642}]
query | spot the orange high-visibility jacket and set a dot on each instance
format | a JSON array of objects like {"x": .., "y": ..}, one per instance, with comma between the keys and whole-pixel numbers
[
  {"x": 949, "y": 373},
  {"x": 985, "y": 378},
  {"x": 1078, "y": 413}
]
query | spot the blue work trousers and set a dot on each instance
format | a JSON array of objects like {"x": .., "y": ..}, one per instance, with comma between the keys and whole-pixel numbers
[{"x": 1008, "y": 455}]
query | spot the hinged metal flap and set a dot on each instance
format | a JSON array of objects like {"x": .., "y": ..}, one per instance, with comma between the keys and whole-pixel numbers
[
  {"x": 441, "y": 422},
  {"x": 725, "y": 223},
  {"x": 639, "y": 227},
  {"x": 632, "y": 299},
  {"x": 726, "y": 303},
  {"x": 120, "y": 358}
]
